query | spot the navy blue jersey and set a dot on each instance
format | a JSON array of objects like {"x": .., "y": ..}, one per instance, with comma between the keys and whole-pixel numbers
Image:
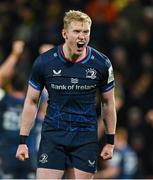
[
  {"x": 10, "y": 112},
  {"x": 72, "y": 87},
  {"x": 10, "y": 115}
]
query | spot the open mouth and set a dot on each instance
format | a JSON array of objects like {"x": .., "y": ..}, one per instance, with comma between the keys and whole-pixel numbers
[{"x": 80, "y": 44}]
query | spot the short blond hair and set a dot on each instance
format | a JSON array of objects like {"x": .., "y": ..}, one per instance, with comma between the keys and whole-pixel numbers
[{"x": 73, "y": 15}]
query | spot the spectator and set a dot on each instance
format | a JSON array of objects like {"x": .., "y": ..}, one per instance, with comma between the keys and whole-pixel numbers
[{"x": 124, "y": 163}]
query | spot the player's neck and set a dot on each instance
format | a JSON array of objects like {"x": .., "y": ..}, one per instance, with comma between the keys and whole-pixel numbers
[{"x": 72, "y": 56}]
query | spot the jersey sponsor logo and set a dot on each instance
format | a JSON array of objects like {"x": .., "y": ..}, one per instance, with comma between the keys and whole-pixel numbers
[
  {"x": 91, "y": 163},
  {"x": 91, "y": 73},
  {"x": 57, "y": 73},
  {"x": 110, "y": 75},
  {"x": 43, "y": 158},
  {"x": 72, "y": 87},
  {"x": 74, "y": 80}
]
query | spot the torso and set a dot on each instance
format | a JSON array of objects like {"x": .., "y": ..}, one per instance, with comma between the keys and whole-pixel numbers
[{"x": 72, "y": 88}]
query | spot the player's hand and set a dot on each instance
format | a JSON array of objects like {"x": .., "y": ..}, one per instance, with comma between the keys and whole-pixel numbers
[
  {"x": 107, "y": 152},
  {"x": 22, "y": 152},
  {"x": 18, "y": 47}
]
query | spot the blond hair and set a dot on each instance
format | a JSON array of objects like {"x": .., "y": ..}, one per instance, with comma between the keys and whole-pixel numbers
[{"x": 74, "y": 15}]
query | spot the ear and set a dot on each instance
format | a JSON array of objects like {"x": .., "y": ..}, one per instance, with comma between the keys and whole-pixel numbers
[{"x": 64, "y": 34}]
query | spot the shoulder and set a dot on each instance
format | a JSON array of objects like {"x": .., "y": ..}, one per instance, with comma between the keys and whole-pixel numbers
[
  {"x": 51, "y": 53},
  {"x": 46, "y": 57},
  {"x": 101, "y": 58}
]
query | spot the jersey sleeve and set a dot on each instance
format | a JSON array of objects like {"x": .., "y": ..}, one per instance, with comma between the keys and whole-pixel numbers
[
  {"x": 36, "y": 77},
  {"x": 107, "y": 82}
]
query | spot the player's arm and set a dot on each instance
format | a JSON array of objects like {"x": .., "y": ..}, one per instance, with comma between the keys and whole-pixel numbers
[
  {"x": 27, "y": 121},
  {"x": 108, "y": 102},
  {"x": 109, "y": 118},
  {"x": 6, "y": 69},
  {"x": 29, "y": 110}
]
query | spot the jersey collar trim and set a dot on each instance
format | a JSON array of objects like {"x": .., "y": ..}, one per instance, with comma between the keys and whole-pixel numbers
[{"x": 84, "y": 60}]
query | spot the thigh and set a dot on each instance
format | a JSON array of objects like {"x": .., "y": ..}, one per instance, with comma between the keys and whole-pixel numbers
[
  {"x": 73, "y": 173},
  {"x": 84, "y": 158},
  {"x": 44, "y": 173}
]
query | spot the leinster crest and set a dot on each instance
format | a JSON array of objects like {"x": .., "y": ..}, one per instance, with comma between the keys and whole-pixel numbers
[
  {"x": 91, "y": 73},
  {"x": 43, "y": 158}
]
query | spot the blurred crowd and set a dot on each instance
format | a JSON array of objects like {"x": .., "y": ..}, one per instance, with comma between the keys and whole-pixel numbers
[{"x": 121, "y": 29}]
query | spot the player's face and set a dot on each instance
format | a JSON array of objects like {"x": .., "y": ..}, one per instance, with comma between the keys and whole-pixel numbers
[{"x": 77, "y": 36}]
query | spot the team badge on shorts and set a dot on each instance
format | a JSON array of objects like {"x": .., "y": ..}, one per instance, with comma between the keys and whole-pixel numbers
[{"x": 43, "y": 158}]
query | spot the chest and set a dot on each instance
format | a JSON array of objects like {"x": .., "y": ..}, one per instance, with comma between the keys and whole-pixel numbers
[{"x": 70, "y": 76}]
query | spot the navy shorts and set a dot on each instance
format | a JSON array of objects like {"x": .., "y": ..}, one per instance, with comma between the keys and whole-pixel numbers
[{"x": 60, "y": 149}]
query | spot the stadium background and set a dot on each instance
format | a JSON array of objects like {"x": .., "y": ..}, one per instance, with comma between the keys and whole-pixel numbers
[{"x": 122, "y": 29}]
